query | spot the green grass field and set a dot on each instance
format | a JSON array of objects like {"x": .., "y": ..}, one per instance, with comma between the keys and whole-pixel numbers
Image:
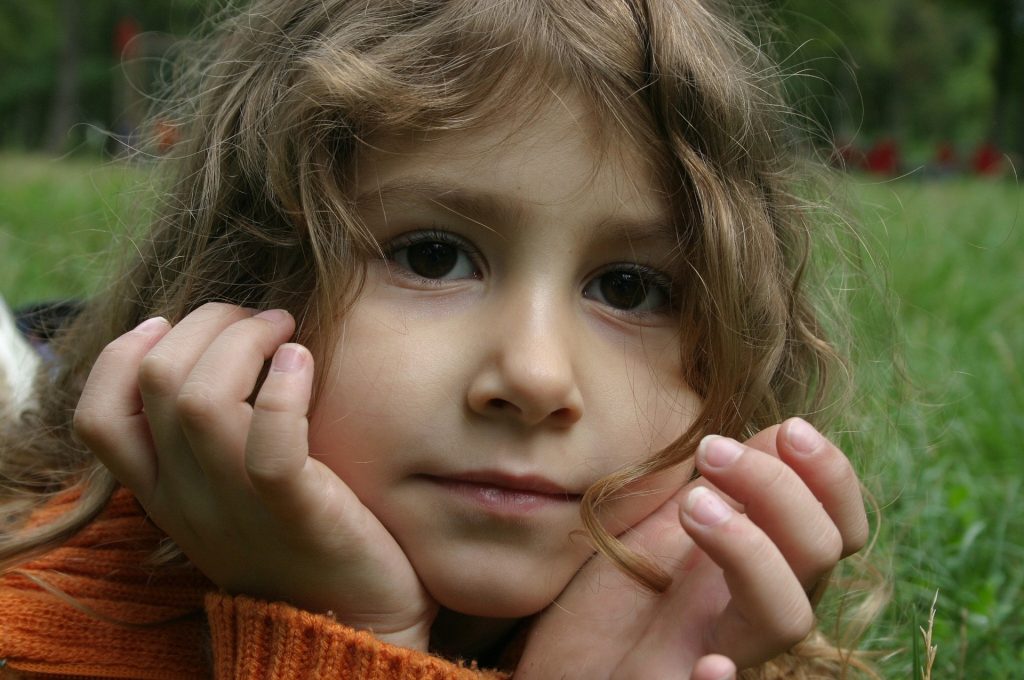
[{"x": 942, "y": 444}]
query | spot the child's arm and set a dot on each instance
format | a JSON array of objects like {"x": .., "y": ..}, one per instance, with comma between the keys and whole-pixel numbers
[
  {"x": 167, "y": 410},
  {"x": 741, "y": 580}
]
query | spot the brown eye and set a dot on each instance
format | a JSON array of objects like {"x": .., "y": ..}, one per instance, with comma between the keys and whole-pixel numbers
[
  {"x": 630, "y": 288},
  {"x": 623, "y": 290},
  {"x": 435, "y": 256},
  {"x": 432, "y": 260}
]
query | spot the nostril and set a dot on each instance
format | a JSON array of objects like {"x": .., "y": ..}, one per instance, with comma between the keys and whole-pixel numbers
[{"x": 500, "y": 404}]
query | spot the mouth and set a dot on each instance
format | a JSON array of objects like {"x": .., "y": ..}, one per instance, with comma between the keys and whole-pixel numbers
[{"x": 504, "y": 493}]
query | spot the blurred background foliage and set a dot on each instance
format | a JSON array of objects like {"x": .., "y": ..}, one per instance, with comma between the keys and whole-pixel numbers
[
  {"x": 73, "y": 70},
  {"x": 921, "y": 71},
  {"x": 924, "y": 72}
]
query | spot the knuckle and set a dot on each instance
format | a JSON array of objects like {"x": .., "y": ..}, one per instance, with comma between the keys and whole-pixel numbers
[
  {"x": 90, "y": 428},
  {"x": 274, "y": 458},
  {"x": 243, "y": 334},
  {"x": 195, "y": 405},
  {"x": 157, "y": 374},
  {"x": 219, "y": 309},
  {"x": 248, "y": 337},
  {"x": 117, "y": 346},
  {"x": 270, "y": 402},
  {"x": 266, "y": 469}
]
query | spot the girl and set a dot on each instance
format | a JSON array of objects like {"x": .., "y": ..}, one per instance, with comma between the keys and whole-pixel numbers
[{"x": 523, "y": 268}]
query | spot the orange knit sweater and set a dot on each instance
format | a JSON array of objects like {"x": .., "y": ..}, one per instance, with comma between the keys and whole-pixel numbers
[{"x": 93, "y": 608}]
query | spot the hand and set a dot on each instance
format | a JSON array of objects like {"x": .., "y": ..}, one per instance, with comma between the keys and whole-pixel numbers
[
  {"x": 740, "y": 579},
  {"x": 168, "y": 411}
]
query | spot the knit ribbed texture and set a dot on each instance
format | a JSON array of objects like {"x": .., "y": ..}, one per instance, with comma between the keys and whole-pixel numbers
[
  {"x": 272, "y": 641},
  {"x": 102, "y": 569},
  {"x": 162, "y": 631}
]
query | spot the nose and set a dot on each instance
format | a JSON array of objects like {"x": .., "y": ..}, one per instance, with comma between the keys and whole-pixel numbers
[{"x": 528, "y": 374}]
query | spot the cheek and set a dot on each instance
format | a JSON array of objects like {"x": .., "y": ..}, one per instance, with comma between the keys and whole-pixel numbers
[
  {"x": 656, "y": 408},
  {"x": 643, "y": 404},
  {"x": 368, "y": 393},
  {"x": 393, "y": 386}
]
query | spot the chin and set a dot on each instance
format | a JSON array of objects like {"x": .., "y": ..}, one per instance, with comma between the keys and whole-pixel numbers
[
  {"x": 491, "y": 603},
  {"x": 505, "y": 594}
]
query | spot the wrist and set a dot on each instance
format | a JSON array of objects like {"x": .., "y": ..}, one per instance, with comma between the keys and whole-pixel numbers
[
  {"x": 416, "y": 637},
  {"x": 411, "y": 633}
]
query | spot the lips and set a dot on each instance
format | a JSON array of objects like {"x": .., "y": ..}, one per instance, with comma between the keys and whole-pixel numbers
[
  {"x": 505, "y": 493},
  {"x": 526, "y": 484}
]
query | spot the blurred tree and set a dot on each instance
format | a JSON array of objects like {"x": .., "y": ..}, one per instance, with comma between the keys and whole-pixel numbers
[
  {"x": 42, "y": 41},
  {"x": 27, "y": 66},
  {"x": 923, "y": 70},
  {"x": 915, "y": 69},
  {"x": 1008, "y": 18},
  {"x": 64, "y": 109}
]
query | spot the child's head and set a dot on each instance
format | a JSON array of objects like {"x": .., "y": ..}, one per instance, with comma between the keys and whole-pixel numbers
[
  {"x": 516, "y": 343},
  {"x": 620, "y": 261}
]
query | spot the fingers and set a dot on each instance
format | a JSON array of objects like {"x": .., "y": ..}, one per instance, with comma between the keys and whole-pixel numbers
[
  {"x": 277, "y": 450},
  {"x": 163, "y": 371},
  {"x": 777, "y": 500},
  {"x": 171, "y": 404},
  {"x": 110, "y": 419},
  {"x": 212, "y": 405},
  {"x": 768, "y": 609},
  {"x": 807, "y": 500},
  {"x": 829, "y": 476},
  {"x": 790, "y": 508}
]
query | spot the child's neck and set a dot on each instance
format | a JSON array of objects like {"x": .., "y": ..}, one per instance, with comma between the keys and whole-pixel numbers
[{"x": 485, "y": 640}]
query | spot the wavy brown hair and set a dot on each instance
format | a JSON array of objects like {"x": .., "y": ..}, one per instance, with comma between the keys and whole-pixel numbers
[{"x": 273, "y": 111}]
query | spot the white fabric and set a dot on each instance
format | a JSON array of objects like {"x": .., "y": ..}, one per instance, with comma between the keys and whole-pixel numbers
[{"x": 18, "y": 364}]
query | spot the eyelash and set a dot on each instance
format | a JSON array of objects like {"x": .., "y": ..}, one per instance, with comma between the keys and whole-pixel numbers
[
  {"x": 431, "y": 235},
  {"x": 651, "y": 279}
]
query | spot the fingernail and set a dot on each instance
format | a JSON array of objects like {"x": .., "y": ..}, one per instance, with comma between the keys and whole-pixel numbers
[
  {"x": 152, "y": 325},
  {"x": 274, "y": 315},
  {"x": 288, "y": 359},
  {"x": 802, "y": 436},
  {"x": 719, "y": 451},
  {"x": 706, "y": 507}
]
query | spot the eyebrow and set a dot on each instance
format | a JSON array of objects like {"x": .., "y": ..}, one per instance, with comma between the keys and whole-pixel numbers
[
  {"x": 478, "y": 206},
  {"x": 484, "y": 207}
]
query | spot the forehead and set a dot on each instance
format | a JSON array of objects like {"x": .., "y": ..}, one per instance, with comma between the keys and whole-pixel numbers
[{"x": 530, "y": 157}]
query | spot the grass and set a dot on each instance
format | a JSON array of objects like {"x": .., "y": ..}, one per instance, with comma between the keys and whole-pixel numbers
[
  {"x": 57, "y": 218},
  {"x": 940, "y": 448},
  {"x": 950, "y": 481}
]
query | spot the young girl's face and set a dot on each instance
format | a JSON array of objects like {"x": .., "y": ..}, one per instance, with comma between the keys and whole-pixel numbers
[{"x": 516, "y": 342}]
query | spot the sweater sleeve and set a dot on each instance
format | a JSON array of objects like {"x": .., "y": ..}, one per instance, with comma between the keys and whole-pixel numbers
[{"x": 257, "y": 640}]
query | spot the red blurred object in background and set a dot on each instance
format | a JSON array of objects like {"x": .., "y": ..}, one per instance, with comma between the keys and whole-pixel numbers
[
  {"x": 125, "y": 33},
  {"x": 884, "y": 157},
  {"x": 987, "y": 160}
]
